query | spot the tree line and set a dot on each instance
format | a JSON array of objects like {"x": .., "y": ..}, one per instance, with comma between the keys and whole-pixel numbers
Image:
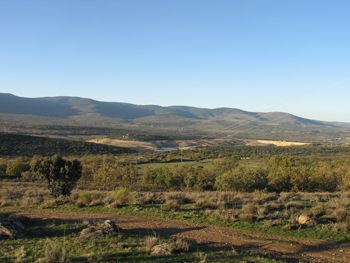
[{"x": 279, "y": 174}]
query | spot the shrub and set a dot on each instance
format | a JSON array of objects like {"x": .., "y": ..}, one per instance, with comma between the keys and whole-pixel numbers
[
  {"x": 180, "y": 197},
  {"x": 171, "y": 205},
  {"x": 206, "y": 203},
  {"x": 20, "y": 254},
  {"x": 317, "y": 211},
  {"x": 29, "y": 176},
  {"x": 90, "y": 198},
  {"x": 55, "y": 253},
  {"x": 340, "y": 214},
  {"x": 61, "y": 175},
  {"x": 144, "y": 198},
  {"x": 279, "y": 173},
  {"x": 150, "y": 242},
  {"x": 32, "y": 200},
  {"x": 122, "y": 196},
  {"x": 181, "y": 245},
  {"x": 248, "y": 213},
  {"x": 16, "y": 167},
  {"x": 242, "y": 179},
  {"x": 108, "y": 175},
  {"x": 204, "y": 180},
  {"x": 246, "y": 217}
]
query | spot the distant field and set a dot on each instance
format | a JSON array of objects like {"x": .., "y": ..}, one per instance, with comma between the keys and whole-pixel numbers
[
  {"x": 187, "y": 144},
  {"x": 277, "y": 143},
  {"x": 123, "y": 143}
]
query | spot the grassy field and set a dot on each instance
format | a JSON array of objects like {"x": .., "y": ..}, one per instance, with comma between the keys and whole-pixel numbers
[
  {"x": 57, "y": 240},
  {"x": 245, "y": 218},
  {"x": 269, "y": 213},
  {"x": 43, "y": 234}
]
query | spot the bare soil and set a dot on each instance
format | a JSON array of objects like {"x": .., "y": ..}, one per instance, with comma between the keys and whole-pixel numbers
[
  {"x": 276, "y": 143},
  {"x": 123, "y": 143}
]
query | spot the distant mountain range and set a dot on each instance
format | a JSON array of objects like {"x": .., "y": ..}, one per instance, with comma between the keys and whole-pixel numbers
[{"x": 19, "y": 111}]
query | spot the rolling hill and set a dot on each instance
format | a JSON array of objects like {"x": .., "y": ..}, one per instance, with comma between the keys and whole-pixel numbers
[{"x": 22, "y": 112}]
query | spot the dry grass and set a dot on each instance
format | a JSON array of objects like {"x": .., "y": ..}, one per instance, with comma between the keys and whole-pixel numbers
[
  {"x": 181, "y": 245},
  {"x": 55, "y": 253},
  {"x": 150, "y": 242},
  {"x": 248, "y": 213},
  {"x": 327, "y": 209},
  {"x": 90, "y": 198},
  {"x": 122, "y": 196},
  {"x": 171, "y": 205}
]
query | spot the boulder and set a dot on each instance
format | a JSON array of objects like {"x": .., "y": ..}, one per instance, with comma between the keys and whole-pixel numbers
[{"x": 105, "y": 228}]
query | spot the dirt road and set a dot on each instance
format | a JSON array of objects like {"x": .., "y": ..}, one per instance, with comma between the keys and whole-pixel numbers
[{"x": 289, "y": 249}]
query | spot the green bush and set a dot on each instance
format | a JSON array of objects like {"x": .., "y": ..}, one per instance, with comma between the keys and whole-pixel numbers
[
  {"x": 90, "y": 198},
  {"x": 279, "y": 174},
  {"x": 122, "y": 196},
  {"x": 16, "y": 167},
  {"x": 60, "y": 174},
  {"x": 242, "y": 179},
  {"x": 30, "y": 176}
]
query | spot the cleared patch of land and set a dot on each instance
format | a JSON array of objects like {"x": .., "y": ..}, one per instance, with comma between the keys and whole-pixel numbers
[
  {"x": 163, "y": 144},
  {"x": 123, "y": 143},
  {"x": 276, "y": 143}
]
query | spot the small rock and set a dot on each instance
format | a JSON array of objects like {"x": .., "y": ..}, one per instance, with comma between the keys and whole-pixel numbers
[
  {"x": 162, "y": 250},
  {"x": 86, "y": 222},
  {"x": 108, "y": 227},
  {"x": 304, "y": 220},
  {"x": 87, "y": 231}
]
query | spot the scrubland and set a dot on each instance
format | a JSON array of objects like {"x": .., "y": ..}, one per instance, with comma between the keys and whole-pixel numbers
[{"x": 230, "y": 208}]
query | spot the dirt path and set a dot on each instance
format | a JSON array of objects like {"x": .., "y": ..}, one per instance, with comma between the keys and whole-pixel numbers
[{"x": 291, "y": 249}]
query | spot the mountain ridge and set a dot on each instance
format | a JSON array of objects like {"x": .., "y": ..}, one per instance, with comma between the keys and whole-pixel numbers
[
  {"x": 102, "y": 106},
  {"x": 78, "y": 111}
]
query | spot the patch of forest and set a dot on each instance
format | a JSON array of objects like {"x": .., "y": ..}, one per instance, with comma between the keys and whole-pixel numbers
[{"x": 26, "y": 145}]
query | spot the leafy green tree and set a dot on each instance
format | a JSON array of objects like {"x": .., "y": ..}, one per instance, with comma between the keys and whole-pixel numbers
[{"x": 60, "y": 174}]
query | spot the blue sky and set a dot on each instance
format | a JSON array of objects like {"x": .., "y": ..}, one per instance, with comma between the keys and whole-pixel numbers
[{"x": 271, "y": 55}]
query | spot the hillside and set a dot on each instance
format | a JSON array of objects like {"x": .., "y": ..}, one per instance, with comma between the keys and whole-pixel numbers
[
  {"x": 73, "y": 111},
  {"x": 24, "y": 145}
]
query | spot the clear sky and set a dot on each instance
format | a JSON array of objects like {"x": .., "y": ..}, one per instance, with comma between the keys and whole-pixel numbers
[{"x": 257, "y": 55}]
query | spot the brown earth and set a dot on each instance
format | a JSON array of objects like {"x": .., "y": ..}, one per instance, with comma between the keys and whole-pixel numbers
[
  {"x": 123, "y": 143},
  {"x": 274, "y": 246},
  {"x": 275, "y": 143}
]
